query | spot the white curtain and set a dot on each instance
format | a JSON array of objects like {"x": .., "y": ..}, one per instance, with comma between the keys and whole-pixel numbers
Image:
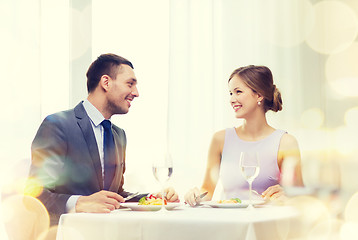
[
  {"x": 34, "y": 70},
  {"x": 34, "y": 78}
]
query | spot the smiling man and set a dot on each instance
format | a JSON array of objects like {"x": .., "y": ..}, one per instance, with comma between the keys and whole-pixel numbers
[{"x": 78, "y": 155}]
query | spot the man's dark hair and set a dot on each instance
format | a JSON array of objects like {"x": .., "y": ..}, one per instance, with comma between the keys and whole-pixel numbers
[{"x": 105, "y": 64}]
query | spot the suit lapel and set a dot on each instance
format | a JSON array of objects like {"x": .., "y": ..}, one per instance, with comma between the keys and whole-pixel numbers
[
  {"x": 119, "y": 162},
  {"x": 85, "y": 125}
]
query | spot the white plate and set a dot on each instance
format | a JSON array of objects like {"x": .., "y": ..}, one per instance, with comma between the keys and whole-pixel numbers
[
  {"x": 243, "y": 204},
  {"x": 136, "y": 207}
]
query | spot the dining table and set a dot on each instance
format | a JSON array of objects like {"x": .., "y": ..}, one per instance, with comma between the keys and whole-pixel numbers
[{"x": 266, "y": 222}]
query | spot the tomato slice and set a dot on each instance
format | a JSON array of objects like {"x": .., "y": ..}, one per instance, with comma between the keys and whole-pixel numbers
[{"x": 151, "y": 197}]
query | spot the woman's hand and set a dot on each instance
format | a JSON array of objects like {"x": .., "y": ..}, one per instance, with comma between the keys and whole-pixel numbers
[
  {"x": 191, "y": 197},
  {"x": 273, "y": 193}
]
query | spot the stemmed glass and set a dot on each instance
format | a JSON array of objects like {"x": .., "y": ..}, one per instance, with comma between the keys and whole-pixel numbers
[
  {"x": 250, "y": 168},
  {"x": 162, "y": 171}
]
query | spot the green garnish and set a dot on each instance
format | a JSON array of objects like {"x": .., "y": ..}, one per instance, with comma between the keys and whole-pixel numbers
[
  {"x": 142, "y": 200},
  {"x": 236, "y": 199}
]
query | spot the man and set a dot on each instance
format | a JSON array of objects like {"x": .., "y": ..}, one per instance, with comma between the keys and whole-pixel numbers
[{"x": 80, "y": 160}]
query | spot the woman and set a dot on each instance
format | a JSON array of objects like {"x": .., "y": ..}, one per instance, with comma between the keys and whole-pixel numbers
[{"x": 252, "y": 95}]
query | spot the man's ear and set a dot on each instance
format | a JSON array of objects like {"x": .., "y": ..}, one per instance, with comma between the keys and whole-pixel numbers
[{"x": 104, "y": 82}]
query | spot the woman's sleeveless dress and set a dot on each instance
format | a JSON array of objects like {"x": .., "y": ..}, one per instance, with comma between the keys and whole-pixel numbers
[{"x": 233, "y": 183}]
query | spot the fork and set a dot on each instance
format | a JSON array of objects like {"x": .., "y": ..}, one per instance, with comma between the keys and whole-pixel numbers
[
  {"x": 201, "y": 196},
  {"x": 254, "y": 191}
]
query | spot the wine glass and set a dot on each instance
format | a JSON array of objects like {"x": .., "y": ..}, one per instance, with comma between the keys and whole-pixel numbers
[
  {"x": 250, "y": 168},
  {"x": 162, "y": 171}
]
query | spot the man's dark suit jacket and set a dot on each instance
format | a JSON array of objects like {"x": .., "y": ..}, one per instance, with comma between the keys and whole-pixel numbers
[{"x": 66, "y": 161}]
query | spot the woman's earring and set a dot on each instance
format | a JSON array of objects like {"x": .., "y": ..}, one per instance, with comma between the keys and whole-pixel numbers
[{"x": 259, "y": 103}]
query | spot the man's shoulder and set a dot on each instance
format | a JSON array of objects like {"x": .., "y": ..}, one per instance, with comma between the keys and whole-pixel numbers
[
  {"x": 66, "y": 114},
  {"x": 118, "y": 129},
  {"x": 120, "y": 134},
  {"x": 61, "y": 116}
]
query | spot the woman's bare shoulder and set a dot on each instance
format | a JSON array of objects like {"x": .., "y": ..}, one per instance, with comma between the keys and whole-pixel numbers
[
  {"x": 288, "y": 141},
  {"x": 288, "y": 147},
  {"x": 219, "y": 136}
]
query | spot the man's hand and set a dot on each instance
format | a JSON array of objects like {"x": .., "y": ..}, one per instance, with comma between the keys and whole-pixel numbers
[
  {"x": 169, "y": 194},
  {"x": 99, "y": 202}
]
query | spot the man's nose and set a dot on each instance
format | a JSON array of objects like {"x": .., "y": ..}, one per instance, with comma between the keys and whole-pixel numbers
[{"x": 135, "y": 92}]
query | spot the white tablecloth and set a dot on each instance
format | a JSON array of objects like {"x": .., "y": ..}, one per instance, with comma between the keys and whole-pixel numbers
[{"x": 183, "y": 223}]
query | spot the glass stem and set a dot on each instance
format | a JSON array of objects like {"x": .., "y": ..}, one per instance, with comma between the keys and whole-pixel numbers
[
  {"x": 250, "y": 193},
  {"x": 163, "y": 196},
  {"x": 163, "y": 207}
]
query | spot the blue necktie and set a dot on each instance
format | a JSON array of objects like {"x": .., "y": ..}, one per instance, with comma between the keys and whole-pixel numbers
[{"x": 109, "y": 154}]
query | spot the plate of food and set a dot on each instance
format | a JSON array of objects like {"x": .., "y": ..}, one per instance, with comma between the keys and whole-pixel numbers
[
  {"x": 150, "y": 203},
  {"x": 232, "y": 203}
]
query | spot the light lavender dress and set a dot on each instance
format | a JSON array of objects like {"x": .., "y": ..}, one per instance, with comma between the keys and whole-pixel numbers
[{"x": 233, "y": 183}]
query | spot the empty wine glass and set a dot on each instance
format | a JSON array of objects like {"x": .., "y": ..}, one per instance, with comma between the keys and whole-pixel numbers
[
  {"x": 162, "y": 171},
  {"x": 250, "y": 168}
]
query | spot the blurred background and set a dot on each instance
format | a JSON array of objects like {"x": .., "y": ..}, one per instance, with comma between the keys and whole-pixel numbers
[{"x": 183, "y": 52}]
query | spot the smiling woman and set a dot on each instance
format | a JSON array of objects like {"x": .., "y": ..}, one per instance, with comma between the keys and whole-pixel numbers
[
  {"x": 252, "y": 94},
  {"x": 256, "y": 80}
]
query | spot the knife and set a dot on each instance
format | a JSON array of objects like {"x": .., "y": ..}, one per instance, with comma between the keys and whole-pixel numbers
[{"x": 130, "y": 196}]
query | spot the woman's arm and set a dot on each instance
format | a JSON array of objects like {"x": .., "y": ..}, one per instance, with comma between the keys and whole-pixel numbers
[
  {"x": 213, "y": 163},
  {"x": 212, "y": 170},
  {"x": 289, "y": 151}
]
